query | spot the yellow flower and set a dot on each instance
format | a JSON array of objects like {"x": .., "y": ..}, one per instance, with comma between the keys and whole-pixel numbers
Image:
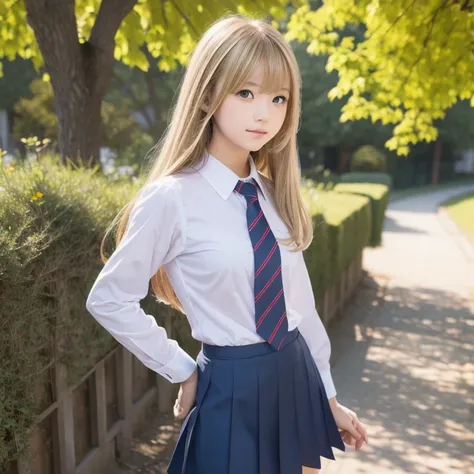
[{"x": 37, "y": 195}]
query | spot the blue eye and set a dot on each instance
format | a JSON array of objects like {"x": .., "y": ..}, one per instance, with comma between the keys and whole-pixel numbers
[
  {"x": 244, "y": 93},
  {"x": 282, "y": 97}
]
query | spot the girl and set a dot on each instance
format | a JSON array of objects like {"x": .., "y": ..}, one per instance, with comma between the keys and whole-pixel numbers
[{"x": 219, "y": 228}]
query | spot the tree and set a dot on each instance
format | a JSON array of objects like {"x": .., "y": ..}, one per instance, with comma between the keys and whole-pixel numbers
[
  {"x": 35, "y": 116},
  {"x": 147, "y": 94},
  {"x": 78, "y": 42},
  {"x": 320, "y": 127},
  {"x": 414, "y": 61}
]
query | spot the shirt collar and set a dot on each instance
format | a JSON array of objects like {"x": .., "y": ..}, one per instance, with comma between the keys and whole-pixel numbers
[{"x": 223, "y": 179}]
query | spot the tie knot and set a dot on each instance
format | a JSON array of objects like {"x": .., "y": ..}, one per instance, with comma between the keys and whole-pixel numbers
[{"x": 247, "y": 189}]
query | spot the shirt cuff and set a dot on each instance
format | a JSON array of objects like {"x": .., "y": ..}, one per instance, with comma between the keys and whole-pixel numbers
[
  {"x": 179, "y": 368},
  {"x": 328, "y": 383}
]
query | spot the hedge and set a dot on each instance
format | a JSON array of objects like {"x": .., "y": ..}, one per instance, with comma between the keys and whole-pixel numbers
[
  {"x": 52, "y": 219},
  {"x": 378, "y": 195},
  {"x": 367, "y": 177}
]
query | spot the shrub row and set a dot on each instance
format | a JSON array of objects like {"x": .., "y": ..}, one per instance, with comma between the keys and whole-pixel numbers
[
  {"x": 379, "y": 196},
  {"x": 52, "y": 219}
]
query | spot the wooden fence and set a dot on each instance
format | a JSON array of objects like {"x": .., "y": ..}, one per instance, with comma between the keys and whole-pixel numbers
[{"x": 85, "y": 427}]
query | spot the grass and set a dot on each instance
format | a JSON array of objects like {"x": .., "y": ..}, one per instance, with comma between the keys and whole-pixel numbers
[
  {"x": 461, "y": 211},
  {"x": 404, "y": 193}
]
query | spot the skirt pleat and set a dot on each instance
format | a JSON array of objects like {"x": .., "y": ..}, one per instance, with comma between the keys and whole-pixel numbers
[
  {"x": 324, "y": 413},
  {"x": 257, "y": 411},
  {"x": 309, "y": 455},
  {"x": 244, "y": 414},
  {"x": 268, "y": 435},
  {"x": 290, "y": 458}
]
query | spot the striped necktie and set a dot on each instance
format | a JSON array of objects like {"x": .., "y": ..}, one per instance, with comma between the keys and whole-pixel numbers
[{"x": 270, "y": 310}]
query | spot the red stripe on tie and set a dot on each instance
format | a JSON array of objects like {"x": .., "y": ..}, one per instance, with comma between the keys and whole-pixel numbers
[
  {"x": 252, "y": 225},
  {"x": 262, "y": 238},
  {"x": 281, "y": 342},
  {"x": 272, "y": 304},
  {"x": 276, "y": 328},
  {"x": 262, "y": 266},
  {"x": 240, "y": 186},
  {"x": 253, "y": 200},
  {"x": 262, "y": 291}
]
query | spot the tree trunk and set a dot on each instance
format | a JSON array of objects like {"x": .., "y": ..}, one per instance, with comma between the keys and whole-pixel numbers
[
  {"x": 436, "y": 162},
  {"x": 80, "y": 73}
]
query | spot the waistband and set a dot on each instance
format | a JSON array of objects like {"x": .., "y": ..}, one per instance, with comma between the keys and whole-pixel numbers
[{"x": 250, "y": 350}]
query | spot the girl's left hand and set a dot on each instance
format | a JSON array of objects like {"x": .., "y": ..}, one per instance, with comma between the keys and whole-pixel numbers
[{"x": 352, "y": 431}]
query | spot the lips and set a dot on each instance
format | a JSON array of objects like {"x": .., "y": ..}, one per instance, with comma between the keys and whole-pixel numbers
[{"x": 258, "y": 131}]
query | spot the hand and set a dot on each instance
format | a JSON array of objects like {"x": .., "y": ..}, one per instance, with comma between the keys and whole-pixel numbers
[
  {"x": 186, "y": 396},
  {"x": 352, "y": 431}
]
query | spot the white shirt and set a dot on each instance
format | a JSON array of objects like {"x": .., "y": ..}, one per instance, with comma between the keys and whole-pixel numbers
[{"x": 195, "y": 225}]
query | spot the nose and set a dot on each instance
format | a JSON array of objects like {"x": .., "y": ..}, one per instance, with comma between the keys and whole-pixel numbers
[{"x": 262, "y": 110}]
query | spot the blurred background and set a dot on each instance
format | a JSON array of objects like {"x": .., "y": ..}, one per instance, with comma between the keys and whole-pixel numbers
[{"x": 386, "y": 148}]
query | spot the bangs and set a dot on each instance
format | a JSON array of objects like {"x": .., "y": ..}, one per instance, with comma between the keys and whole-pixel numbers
[
  {"x": 276, "y": 72},
  {"x": 265, "y": 53}
]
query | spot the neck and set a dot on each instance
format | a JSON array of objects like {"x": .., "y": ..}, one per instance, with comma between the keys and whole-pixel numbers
[{"x": 235, "y": 158}]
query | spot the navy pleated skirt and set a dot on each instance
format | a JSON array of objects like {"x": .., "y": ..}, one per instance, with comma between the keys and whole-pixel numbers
[{"x": 257, "y": 411}]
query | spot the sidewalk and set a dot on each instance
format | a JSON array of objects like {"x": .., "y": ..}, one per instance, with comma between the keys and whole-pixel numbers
[{"x": 403, "y": 355}]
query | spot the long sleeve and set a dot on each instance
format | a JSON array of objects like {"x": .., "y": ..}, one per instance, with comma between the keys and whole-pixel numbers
[
  {"x": 311, "y": 326},
  {"x": 155, "y": 234}
]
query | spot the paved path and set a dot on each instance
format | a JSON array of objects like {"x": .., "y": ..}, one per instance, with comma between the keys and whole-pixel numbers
[{"x": 404, "y": 351}]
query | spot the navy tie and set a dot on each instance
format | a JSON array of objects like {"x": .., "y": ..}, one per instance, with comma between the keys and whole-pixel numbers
[{"x": 270, "y": 310}]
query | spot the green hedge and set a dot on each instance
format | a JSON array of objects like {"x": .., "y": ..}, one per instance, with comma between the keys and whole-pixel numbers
[
  {"x": 378, "y": 195},
  {"x": 367, "y": 177},
  {"x": 342, "y": 227},
  {"x": 52, "y": 219}
]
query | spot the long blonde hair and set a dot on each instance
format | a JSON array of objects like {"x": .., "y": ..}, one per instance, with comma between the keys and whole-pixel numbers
[{"x": 226, "y": 56}]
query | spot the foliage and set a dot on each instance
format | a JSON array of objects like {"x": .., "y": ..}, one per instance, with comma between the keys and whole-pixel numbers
[
  {"x": 36, "y": 116},
  {"x": 461, "y": 210},
  {"x": 51, "y": 220},
  {"x": 368, "y": 158},
  {"x": 320, "y": 125},
  {"x": 378, "y": 195},
  {"x": 146, "y": 94},
  {"x": 15, "y": 82},
  {"x": 410, "y": 67},
  {"x": 367, "y": 177},
  {"x": 169, "y": 31},
  {"x": 342, "y": 228}
]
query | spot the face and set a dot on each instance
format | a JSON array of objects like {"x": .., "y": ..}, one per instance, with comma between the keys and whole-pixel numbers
[{"x": 249, "y": 119}]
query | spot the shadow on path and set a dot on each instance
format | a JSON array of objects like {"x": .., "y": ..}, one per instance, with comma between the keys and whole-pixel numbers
[{"x": 403, "y": 360}]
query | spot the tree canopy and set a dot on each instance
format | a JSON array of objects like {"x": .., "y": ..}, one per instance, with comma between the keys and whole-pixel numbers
[
  {"x": 413, "y": 61},
  {"x": 169, "y": 29}
]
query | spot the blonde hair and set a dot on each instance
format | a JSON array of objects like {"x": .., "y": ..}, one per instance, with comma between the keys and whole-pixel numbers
[{"x": 223, "y": 60}]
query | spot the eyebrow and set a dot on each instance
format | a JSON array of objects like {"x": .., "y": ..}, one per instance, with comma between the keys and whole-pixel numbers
[{"x": 258, "y": 85}]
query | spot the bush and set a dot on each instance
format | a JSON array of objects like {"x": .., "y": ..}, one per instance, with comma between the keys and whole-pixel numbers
[
  {"x": 50, "y": 226},
  {"x": 342, "y": 227},
  {"x": 368, "y": 159},
  {"x": 378, "y": 195},
  {"x": 360, "y": 177}
]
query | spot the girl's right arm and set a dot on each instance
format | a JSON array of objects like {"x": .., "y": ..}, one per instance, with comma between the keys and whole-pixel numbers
[{"x": 155, "y": 235}]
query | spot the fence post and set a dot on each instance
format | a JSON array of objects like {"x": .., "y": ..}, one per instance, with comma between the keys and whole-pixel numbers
[
  {"x": 67, "y": 453},
  {"x": 125, "y": 398},
  {"x": 101, "y": 404}
]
